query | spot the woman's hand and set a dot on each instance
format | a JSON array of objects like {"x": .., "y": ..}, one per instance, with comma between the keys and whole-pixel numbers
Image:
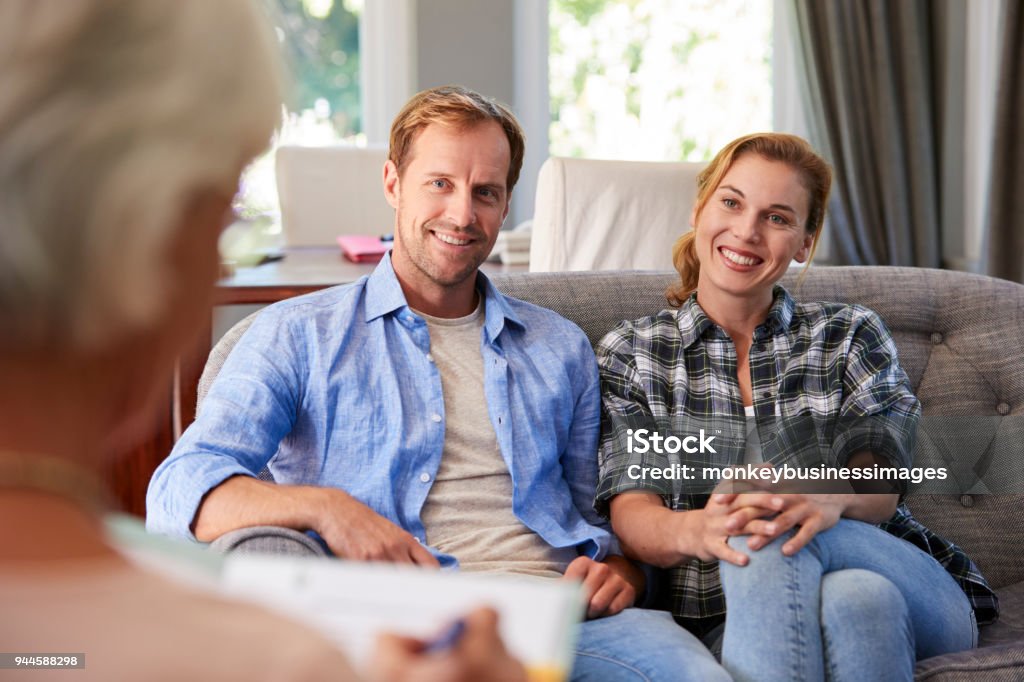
[
  {"x": 478, "y": 656},
  {"x": 724, "y": 515},
  {"x": 650, "y": 532},
  {"x": 813, "y": 513}
]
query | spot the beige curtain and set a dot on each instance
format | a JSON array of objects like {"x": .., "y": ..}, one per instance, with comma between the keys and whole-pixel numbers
[
  {"x": 876, "y": 83},
  {"x": 1005, "y": 224}
]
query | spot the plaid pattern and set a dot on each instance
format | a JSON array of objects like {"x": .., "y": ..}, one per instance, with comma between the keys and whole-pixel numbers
[{"x": 835, "y": 362}]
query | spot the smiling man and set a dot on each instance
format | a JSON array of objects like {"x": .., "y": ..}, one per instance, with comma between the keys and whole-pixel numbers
[{"x": 420, "y": 416}]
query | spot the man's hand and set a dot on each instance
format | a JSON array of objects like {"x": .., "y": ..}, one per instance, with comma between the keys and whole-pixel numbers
[
  {"x": 609, "y": 586},
  {"x": 354, "y": 531},
  {"x": 479, "y": 655}
]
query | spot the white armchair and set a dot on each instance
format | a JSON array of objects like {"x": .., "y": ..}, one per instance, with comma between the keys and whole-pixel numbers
[
  {"x": 330, "y": 191},
  {"x": 610, "y": 215}
]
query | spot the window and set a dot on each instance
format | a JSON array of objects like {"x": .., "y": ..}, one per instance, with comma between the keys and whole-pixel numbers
[
  {"x": 658, "y": 80},
  {"x": 320, "y": 42}
]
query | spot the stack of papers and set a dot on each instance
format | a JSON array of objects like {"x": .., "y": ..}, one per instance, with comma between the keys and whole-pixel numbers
[{"x": 513, "y": 246}]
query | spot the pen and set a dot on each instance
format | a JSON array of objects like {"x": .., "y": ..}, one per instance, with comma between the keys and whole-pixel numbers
[
  {"x": 447, "y": 639},
  {"x": 271, "y": 258}
]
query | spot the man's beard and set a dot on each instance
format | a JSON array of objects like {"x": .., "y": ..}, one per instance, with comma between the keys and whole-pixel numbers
[{"x": 433, "y": 269}]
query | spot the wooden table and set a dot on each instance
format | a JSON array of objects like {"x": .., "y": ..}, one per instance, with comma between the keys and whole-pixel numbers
[{"x": 302, "y": 271}]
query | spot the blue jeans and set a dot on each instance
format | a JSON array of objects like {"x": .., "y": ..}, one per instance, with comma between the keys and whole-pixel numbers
[
  {"x": 855, "y": 604},
  {"x": 637, "y": 645}
]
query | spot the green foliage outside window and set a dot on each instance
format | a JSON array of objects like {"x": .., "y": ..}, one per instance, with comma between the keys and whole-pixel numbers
[
  {"x": 321, "y": 44},
  {"x": 659, "y": 80}
]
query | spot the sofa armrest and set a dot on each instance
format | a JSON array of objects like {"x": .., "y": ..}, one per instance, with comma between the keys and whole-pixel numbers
[
  {"x": 268, "y": 540},
  {"x": 997, "y": 662}
]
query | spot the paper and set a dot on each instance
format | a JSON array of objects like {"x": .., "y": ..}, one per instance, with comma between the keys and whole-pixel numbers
[{"x": 352, "y": 602}]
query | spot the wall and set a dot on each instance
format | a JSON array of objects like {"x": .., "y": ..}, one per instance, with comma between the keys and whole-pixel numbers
[
  {"x": 466, "y": 43},
  {"x": 497, "y": 47},
  {"x": 491, "y": 46}
]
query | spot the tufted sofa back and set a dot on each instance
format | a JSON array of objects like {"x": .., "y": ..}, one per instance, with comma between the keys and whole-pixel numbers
[{"x": 959, "y": 338}]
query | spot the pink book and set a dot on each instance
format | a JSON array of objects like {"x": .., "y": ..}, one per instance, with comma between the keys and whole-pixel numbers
[{"x": 360, "y": 248}]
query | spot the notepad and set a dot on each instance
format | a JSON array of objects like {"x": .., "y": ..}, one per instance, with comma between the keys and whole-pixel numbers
[
  {"x": 360, "y": 248},
  {"x": 351, "y": 603}
]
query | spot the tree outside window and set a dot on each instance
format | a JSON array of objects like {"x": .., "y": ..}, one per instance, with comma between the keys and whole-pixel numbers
[
  {"x": 658, "y": 80},
  {"x": 320, "y": 41}
]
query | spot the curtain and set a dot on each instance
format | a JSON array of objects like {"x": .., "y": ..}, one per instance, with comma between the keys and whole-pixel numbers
[
  {"x": 876, "y": 84},
  {"x": 1005, "y": 223}
]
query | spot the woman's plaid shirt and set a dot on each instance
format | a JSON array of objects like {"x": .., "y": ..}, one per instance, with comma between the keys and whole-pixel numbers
[{"x": 834, "y": 362}]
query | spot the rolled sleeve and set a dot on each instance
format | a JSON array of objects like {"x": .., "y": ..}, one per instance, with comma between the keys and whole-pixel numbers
[
  {"x": 579, "y": 460},
  {"x": 880, "y": 412},
  {"x": 250, "y": 408},
  {"x": 624, "y": 408}
]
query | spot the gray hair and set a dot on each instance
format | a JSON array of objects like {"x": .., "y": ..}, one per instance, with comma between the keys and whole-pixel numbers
[{"x": 113, "y": 115}]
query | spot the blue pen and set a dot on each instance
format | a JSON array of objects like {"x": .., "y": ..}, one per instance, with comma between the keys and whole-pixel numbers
[{"x": 448, "y": 638}]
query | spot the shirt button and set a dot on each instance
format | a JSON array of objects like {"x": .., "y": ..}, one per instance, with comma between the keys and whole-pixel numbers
[
  {"x": 936, "y": 338},
  {"x": 425, "y": 477},
  {"x": 430, "y": 357},
  {"x": 500, "y": 421},
  {"x": 967, "y": 501},
  {"x": 767, "y": 394},
  {"x": 1003, "y": 409},
  {"x": 436, "y": 418}
]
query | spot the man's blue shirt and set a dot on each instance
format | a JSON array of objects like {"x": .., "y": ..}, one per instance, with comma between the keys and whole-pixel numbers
[{"x": 337, "y": 388}]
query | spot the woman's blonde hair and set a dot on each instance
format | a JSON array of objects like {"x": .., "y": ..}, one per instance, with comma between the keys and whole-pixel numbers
[
  {"x": 815, "y": 175},
  {"x": 114, "y": 115}
]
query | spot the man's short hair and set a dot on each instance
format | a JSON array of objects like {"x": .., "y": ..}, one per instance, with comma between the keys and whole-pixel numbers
[{"x": 458, "y": 107}]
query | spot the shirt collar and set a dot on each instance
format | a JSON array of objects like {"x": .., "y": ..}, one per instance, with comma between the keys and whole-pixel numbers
[
  {"x": 383, "y": 292},
  {"x": 693, "y": 323},
  {"x": 384, "y": 296},
  {"x": 780, "y": 314}
]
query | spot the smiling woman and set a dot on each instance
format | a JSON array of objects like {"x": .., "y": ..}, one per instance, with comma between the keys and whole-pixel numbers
[
  {"x": 834, "y": 571},
  {"x": 802, "y": 171}
]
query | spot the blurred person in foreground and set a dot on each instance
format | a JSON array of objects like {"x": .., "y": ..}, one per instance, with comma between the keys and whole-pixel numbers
[{"x": 124, "y": 126}]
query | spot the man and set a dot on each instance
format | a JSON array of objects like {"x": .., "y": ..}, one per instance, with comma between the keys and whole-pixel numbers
[{"x": 420, "y": 416}]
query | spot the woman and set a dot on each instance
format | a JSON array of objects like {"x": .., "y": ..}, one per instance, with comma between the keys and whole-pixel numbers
[
  {"x": 124, "y": 125},
  {"x": 837, "y": 585}
]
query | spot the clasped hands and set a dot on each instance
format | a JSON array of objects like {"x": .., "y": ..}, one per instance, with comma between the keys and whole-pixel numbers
[{"x": 763, "y": 512}]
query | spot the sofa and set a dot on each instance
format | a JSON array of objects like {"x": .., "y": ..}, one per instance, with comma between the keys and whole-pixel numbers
[{"x": 959, "y": 338}]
